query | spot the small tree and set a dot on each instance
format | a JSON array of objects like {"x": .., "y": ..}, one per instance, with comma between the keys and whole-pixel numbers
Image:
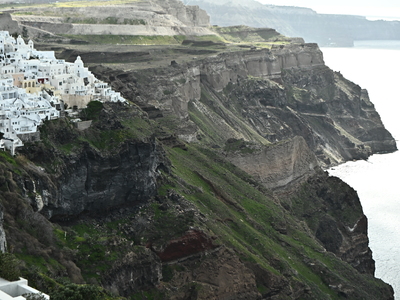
[
  {"x": 92, "y": 111},
  {"x": 25, "y": 32}
]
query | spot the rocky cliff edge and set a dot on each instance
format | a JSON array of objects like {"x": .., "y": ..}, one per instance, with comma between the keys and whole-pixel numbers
[
  {"x": 262, "y": 97},
  {"x": 155, "y": 198}
]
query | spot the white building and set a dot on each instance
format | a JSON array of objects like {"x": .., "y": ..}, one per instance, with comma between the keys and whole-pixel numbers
[
  {"x": 14, "y": 290},
  {"x": 33, "y": 83}
]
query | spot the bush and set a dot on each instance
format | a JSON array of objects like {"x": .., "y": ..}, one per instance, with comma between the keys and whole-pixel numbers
[
  {"x": 77, "y": 292},
  {"x": 92, "y": 111},
  {"x": 9, "y": 267}
]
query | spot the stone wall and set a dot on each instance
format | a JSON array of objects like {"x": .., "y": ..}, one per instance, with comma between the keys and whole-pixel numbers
[
  {"x": 83, "y": 125},
  {"x": 77, "y": 100},
  {"x": 30, "y": 137}
]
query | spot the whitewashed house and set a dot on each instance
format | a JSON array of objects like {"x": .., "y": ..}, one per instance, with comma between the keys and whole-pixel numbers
[
  {"x": 34, "y": 83},
  {"x": 15, "y": 290}
]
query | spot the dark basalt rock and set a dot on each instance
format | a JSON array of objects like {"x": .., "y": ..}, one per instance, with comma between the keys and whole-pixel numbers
[
  {"x": 94, "y": 182},
  {"x": 3, "y": 242},
  {"x": 143, "y": 271},
  {"x": 281, "y": 107},
  {"x": 192, "y": 242},
  {"x": 278, "y": 93},
  {"x": 334, "y": 213},
  {"x": 90, "y": 180}
]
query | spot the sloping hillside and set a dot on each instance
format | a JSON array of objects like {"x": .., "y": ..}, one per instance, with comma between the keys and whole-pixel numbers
[{"x": 207, "y": 184}]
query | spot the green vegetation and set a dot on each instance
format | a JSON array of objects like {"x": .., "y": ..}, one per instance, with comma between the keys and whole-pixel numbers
[
  {"x": 247, "y": 220},
  {"x": 94, "y": 255},
  {"x": 92, "y": 111},
  {"x": 197, "y": 189},
  {"x": 5, "y": 156},
  {"x": 80, "y": 292},
  {"x": 9, "y": 267},
  {"x": 109, "y": 139}
]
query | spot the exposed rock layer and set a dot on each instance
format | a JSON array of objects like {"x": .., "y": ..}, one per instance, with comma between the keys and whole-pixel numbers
[
  {"x": 333, "y": 211},
  {"x": 189, "y": 260},
  {"x": 278, "y": 166},
  {"x": 276, "y": 94},
  {"x": 137, "y": 18},
  {"x": 91, "y": 180},
  {"x": 324, "y": 29},
  {"x": 3, "y": 242},
  {"x": 234, "y": 238}
]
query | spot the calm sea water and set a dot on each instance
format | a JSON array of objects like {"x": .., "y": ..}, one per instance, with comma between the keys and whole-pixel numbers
[{"x": 375, "y": 65}]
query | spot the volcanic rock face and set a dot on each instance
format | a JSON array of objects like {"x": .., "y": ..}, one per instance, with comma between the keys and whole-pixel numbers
[
  {"x": 91, "y": 180},
  {"x": 3, "y": 243},
  {"x": 192, "y": 242},
  {"x": 138, "y": 18},
  {"x": 96, "y": 182},
  {"x": 193, "y": 225},
  {"x": 190, "y": 15},
  {"x": 280, "y": 165},
  {"x": 222, "y": 275},
  {"x": 133, "y": 272},
  {"x": 333, "y": 211},
  {"x": 8, "y": 24},
  {"x": 260, "y": 96}
]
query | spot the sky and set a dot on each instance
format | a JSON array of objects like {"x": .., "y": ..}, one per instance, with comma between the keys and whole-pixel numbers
[{"x": 373, "y": 9}]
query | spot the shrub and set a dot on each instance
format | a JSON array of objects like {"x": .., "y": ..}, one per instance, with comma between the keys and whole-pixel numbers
[
  {"x": 32, "y": 296},
  {"x": 9, "y": 267},
  {"x": 92, "y": 111},
  {"x": 77, "y": 292}
]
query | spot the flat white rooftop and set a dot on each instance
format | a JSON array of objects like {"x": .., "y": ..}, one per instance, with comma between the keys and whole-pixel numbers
[{"x": 13, "y": 290}]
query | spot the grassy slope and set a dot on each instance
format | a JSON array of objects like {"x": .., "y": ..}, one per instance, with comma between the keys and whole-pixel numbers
[{"x": 244, "y": 216}]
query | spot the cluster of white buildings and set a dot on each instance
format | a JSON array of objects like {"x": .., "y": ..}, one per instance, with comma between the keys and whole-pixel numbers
[{"x": 35, "y": 86}]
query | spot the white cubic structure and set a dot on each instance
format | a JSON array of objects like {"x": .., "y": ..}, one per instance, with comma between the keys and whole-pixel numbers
[
  {"x": 34, "y": 85},
  {"x": 14, "y": 290}
]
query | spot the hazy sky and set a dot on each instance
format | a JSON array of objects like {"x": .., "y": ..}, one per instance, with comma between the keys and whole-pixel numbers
[{"x": 370, "y": 8}]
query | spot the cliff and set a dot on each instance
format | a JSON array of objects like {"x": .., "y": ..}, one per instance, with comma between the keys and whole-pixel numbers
[
  {"x": 262, "y": 97},
  {"x": 324, "y": 29},
  {"x": 172, "y": 191},
  {"x": 109, "y": 169},
  {"x": 207, "y": 184},
  {"x": 3, "y": 242},
  {"x": 211, "y": 231},
  {"x": 8, "y": 24},
  {"x": 143, "y": 18}
]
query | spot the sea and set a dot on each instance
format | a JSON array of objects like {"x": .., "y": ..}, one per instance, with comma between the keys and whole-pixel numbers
[{"x": 375, "y": 66}]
